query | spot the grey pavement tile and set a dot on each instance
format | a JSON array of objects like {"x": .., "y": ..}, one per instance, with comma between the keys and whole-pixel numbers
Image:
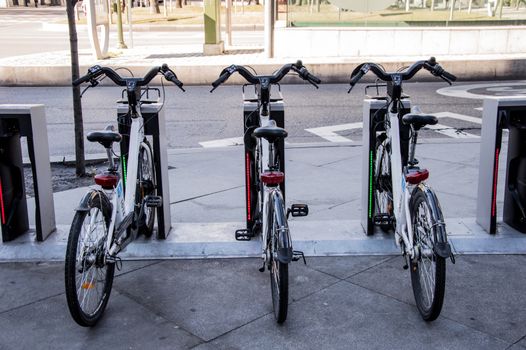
[
  {"x": 474, "y": 291},
  {"x": 227, "y": 206},
  {"x": 523, "y": 342},
  {"x": 211, "y": 297},
  {"x": 24, "y": 283},
  {"x": 345, "y": 316},
  {"x": 476, "y": 295},
  {"x": 345, "y": 266},
  {"x": 125, "y": 325}
]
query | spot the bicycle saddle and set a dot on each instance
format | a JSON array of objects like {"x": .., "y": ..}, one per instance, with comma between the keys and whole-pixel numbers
[
  {"x": 270, "y": 132},
  {"x": 419, "y": 120},
  {"x": 105, "y": 137}
]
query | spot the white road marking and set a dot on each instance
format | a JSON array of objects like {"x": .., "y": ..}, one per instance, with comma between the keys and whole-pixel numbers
[
  {"x": 463, "y": 117},
  {"x": 479, "y": 108},
  {"x": 233, "y": 141},
  {"x": 329, "y": 132},
  {"x": 446, "y": 130},
  {"x": 495, "y": 89}
]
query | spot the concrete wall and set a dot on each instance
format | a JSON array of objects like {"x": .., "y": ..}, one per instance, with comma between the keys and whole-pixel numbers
[{"x": 385, "y": 42}]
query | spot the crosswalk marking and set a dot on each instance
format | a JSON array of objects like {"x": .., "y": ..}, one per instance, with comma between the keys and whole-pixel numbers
[
  {"x": 463, "y": 117},
  {"x": 329, "y": 132},
  {"x": 233, "y": 141}
]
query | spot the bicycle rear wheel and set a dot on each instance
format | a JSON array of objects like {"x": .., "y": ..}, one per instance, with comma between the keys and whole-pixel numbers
[
  {"x": 279, "y": 271},
  {"x": 428, "y": 270},
  {"x": 383, "y": 188},
  {"x": 88, "y": 277}
]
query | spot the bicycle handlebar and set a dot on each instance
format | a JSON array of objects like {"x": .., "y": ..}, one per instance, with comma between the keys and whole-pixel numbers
[
  {"x": 96, "y": 71},
  {"x": 431, "y": 65},
  {"x": 267, "y": 79}
]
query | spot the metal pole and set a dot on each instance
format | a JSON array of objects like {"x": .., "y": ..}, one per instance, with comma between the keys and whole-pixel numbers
[
  {"x": 229, "y": 22},
  {"x": 130, "y": 30},
  {"x": 269, "y": 28},
  {"x": 121, "y": 44}
]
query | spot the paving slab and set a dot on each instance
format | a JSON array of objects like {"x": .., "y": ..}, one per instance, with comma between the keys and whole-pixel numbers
[
  {"x": 127, "y": 324},
  {"x": 474, "y": 296},
  {"x": 345, "y": 316},
  {"x": 189, "y": 292}
]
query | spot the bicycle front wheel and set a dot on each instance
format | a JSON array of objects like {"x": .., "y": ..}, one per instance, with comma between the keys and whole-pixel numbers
[
  {"x": 428, "y": 270},
  {"x": 145, "y": 187},
  {"x": 88, "y": 277},
  {"x": 279, "y": 271},
  {"x": 383, "y": 188}
]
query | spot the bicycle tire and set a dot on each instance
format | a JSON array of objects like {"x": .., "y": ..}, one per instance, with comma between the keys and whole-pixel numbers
[
  {"x": 383, "y": 188},
  {"x": 95, "y": 275},
  {"x": 428, "y": 272},
  {"x": 145, "y": 186},
  {"x": 279, "y": 272}
]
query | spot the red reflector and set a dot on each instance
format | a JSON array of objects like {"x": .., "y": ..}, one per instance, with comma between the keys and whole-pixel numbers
[
  {"x": 272, "y": 177},
  {"x": 106, "y": 181},
  {"x": 2, "y": 202},
  {"x": 416, "y": 177}
]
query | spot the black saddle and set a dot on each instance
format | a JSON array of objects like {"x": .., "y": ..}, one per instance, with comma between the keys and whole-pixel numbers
[
  {"x": 419, "y": 120},
  {"x": 271, "y": 132},
  {"x": 105, "y": 137}
]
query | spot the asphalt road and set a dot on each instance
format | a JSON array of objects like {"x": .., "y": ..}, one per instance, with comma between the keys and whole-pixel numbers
[
  {"x": 197, "y": 115},
  {"x": 22, "y": 33}
]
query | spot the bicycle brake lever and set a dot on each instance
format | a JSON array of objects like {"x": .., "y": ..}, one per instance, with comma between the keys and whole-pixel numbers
[{"x": 446, "y": 80}]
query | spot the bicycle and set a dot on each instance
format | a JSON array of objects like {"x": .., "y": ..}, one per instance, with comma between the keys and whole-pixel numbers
[
  {"x": 402, "y": 199},
  {"x": 266, "y": 214},
  {"x": 109, "y": 217}
]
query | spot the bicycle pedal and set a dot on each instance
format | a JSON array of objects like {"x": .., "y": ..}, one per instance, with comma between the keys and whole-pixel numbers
[
  {"x": 383, "y": 219},
  {"x": 298, "y": 210},
  {"x": 153, "y": 201},
  {"x": 243, "y": 235},
  {"x": 298, "y": 254}
]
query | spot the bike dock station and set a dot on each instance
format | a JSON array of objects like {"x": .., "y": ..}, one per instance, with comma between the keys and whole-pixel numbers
[
  {"x": 500, "y": 114},
  {"x": 373, "y": 113},
  {"x": 277, "y": 113},
  {"x": 29, "y": 121},
  {"x": 154, "y": 126}
]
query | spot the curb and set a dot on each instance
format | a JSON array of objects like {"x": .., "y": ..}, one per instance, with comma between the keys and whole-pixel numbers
[{"x": 61, "y": 27}]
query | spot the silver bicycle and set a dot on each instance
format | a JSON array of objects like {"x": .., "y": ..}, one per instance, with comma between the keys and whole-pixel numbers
[{"x": 265, "y": 177}]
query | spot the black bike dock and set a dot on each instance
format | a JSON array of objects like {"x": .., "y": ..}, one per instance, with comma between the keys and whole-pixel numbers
[
  {"x": 155, "y": 127},
  {"x": 374, "y": 114},
  {"x": 499, "y": 114},
  {"x": 250, "y": 123},
  {"x": 29, "y": 121}
]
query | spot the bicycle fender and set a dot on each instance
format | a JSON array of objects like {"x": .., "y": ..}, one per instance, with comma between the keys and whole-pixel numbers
[
  {"x": 285, "y": 252},
  {"x": 443, "y": 248},
  {"x": 84, "y": 205}
]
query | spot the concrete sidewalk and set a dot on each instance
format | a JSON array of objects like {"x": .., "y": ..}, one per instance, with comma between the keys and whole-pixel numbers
[
  {"x": 336, "y": 302},
  {"x": 207, "y": 205}
]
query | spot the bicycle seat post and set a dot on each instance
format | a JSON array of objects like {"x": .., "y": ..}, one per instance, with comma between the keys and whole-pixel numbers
[{"x": 414, "y": 138}]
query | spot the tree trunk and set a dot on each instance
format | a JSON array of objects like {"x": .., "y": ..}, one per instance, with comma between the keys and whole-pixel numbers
[
  {"x": 179, "y": 4},
  {"x": 154, "y": 7},
  {"x": 500, "y": 6},
  {"x": 77, "y": 106}
]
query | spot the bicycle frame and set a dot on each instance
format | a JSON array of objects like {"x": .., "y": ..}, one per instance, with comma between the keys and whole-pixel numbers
[
  {"x": 123, "y": 204},
  {"x": 401, "y": 190}
]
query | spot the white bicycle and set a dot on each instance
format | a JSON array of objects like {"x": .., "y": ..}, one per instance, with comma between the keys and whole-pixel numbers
[
  {"x": 111, "y": 216},
  {"x": 403, "y": 200}
]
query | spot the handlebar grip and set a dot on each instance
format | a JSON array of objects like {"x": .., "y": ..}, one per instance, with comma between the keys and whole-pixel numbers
[
  {"x": 449, "y": 76},
  {"x": 221, "y": 79},
  {"x": 81, "y": 80},
  {"x": 356, "y": 78},
  {"x": 313, "y": 78}
]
